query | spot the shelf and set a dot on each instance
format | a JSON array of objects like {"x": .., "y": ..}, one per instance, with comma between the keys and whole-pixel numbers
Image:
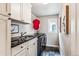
[{"x": 14, "y": 20}]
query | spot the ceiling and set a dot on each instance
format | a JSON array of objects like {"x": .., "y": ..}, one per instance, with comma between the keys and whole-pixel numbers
[{"x": 40, "y": 9}]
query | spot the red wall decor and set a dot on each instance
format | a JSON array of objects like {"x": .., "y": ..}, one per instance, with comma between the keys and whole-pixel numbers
[{"x": 36, "y": 24}]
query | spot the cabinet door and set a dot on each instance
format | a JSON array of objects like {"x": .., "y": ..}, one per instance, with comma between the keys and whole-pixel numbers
[
  {"x": 15, "y": 11},
  {"x": 32, "y": 49},
  {"x": 26, "y": 12},
  {"x": 3, "y": 37},
  {"x": 35, "y": 48},
  {"x": 3, "y": 8},
  {"x": 22, "y": 53}
]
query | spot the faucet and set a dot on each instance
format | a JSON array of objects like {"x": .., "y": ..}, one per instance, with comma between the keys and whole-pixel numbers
[{"x": 23, "y": 33}]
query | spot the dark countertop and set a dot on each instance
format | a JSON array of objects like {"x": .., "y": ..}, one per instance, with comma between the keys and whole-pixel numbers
[
  {"x": 19, "y": 41},
  {"x": 14, "y": 45}
]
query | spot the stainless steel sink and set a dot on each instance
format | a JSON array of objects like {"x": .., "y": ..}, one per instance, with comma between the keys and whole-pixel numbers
[
  {"x": 18, "y": 40},
  {"x": 27, "y": 38}
]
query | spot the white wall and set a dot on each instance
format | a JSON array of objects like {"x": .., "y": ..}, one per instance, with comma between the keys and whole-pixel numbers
[
  {"x": 65, "y": 37},
  {"x": 77, "y": 24},
  {"x": 73, "y": 29},
  {"x": 52, "y": 38},
  {"x": 69, "y": 41}
]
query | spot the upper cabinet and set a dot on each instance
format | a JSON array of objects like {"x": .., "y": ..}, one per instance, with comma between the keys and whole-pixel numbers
[
  {"x": 4, "y": 9},
  {"x": 16, "y": 11},
  {"x": 21, "y": 12},
  {"x": 26, "y": 12}
]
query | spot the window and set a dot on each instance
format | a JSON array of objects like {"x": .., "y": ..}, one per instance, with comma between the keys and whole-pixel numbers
[{"x": 52, "y": 27}]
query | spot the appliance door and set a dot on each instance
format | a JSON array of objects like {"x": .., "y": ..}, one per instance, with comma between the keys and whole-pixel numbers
[
  {"x": 39, "y": 48},
  {"x": 41, "y": 44}
]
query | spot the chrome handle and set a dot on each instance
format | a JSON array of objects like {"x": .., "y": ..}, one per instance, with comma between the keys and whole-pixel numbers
[
  {"x": 27, "y": 48},
  {"x": 9, "y": 14}
]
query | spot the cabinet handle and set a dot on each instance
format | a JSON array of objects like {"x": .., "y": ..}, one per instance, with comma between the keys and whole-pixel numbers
[
  {"x": 21, "y": 46},
  {"x": 27, "y": 48},
  {"x": 9, "y": 18},
  {"x": 33, "y": 43},
  {"x": 9, "y": 14},
  {"x": 22, "y": 20}
]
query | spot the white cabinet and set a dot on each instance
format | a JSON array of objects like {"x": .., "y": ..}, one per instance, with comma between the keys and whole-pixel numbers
[
  {"x": 26, "y": 12},
  {"x": 35, "y": 48},
  {"x": 4, "y": 8},
  {"x": 32, "y": 48},
  {"x": 4, "y": 36},
  {"x": 26, "y": 49},
  {"x": 19, "y": 48},
  {"x": 16, "y": 11},
  {"x": 21, "y": 12},
  {"x": 22, "y": 53}
]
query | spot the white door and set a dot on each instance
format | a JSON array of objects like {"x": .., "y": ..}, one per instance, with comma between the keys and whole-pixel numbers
[
  {"x": 3, "y": 8},
  {"x": 26, "y": 12},
  {"x": 3, "y": 37},
  {"x": 35, "y": 48},
  {"x": 15, "y": 11},
  {"x": 32, "y": 49},
  {"x": 22, "y": 53}
]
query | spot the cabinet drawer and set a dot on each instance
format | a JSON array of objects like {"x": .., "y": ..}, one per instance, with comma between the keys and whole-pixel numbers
[{"x": 18, "y": 49}]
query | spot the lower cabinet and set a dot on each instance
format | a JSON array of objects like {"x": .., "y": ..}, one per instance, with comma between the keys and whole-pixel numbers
[
  {"x": 32, "y": 49},
  {"x": 22, "y": 53},
  {"x": 29, "y": 49}
]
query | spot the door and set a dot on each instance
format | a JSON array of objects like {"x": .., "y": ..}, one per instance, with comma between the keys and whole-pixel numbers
[
  {"x": 22, "y": 53},
  {"x": 32, "y": 49},
  {"x": 3, "y": 37},
  {"x": 26, "y": 12},
  {"x": 35, "y": 48},
  {"x": 16, "y": 11},
  {"x": 3, "y": 8}
]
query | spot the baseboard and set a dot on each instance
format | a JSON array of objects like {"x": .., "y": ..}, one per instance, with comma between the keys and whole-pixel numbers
[{"x": 53, "y": 46}]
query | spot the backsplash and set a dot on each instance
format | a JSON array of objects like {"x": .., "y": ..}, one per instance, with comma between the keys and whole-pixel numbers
[{"x": 23, "y": 28}]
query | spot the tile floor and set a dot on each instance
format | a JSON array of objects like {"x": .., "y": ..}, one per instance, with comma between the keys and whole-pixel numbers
[{"x": 50, "y": 53}]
